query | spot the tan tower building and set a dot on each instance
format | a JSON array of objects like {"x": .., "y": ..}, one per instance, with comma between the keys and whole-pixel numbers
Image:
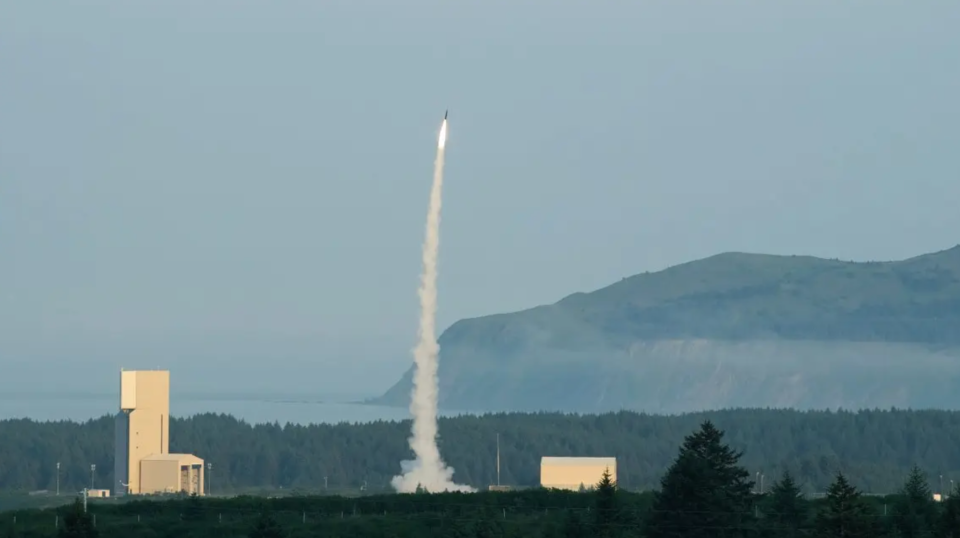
[{"x": 143, "y": 463}]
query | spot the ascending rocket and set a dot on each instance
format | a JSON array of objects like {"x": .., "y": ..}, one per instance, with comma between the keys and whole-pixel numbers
[{"x": 443, "y": 132}]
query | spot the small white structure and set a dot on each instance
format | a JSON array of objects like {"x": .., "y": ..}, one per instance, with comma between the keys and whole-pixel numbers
[{"x": 572, "y": 473}]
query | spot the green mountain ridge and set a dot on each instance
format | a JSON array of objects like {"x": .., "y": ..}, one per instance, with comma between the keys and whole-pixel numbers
[{"x": 734, "y": 329}]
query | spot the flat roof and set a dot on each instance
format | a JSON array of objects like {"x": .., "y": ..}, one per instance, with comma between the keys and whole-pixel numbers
[
  {"x": 560, "y": 462},
  {"x": 173, "y": 457}
]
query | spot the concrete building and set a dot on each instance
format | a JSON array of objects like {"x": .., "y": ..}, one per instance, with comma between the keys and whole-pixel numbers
[
  {"x": 143, "y": 439},
  {"x": 172, "y": 473},
  {"x": 572, "y": 473}
]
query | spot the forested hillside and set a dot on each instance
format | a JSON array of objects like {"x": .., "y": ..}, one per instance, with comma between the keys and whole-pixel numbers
[
  {"x": 704, "y": 493},
  {"x": 875, "y": 449},
  {"x": 731, "y": 330}
]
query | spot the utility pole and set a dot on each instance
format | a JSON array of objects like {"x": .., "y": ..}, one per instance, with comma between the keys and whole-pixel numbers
[
  {"x": 209, "y": 478},
  {"x": 498, "y": 459},
  {"x": 58, "y": 479},
  {"x": 93, "y": 475}
]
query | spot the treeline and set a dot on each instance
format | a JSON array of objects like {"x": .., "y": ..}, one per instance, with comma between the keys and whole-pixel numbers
[
  {"x": 875, "y": 449},
  {"x": 704, "y": 492}
]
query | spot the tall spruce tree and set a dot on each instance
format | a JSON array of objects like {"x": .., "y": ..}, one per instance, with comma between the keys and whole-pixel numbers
[
  {"x": 77, "y": 523},
  {"x": 786, "y": 514},
  {"x": 844, "y": 515},
  {"x": 573, "y": 526},
  {"x": 949, "y": 524},
  {"x": 915, "y": 514},
  {"x": 193, "y": 509},
  {"x": 705, "y": 493},
  {"x": 606, "y": 512},
  {"x": 267, "y": 527}
]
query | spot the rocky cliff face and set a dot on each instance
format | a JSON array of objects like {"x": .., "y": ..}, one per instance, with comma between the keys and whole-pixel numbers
[{"x": 734, "y": 330}]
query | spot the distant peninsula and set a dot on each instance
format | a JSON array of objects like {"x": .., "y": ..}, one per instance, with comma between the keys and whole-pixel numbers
[{"x": 732, "y": 330}]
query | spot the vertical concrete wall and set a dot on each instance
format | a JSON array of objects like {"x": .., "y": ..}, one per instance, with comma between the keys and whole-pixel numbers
[
  {"x": 159, "y": 476},
  {"x": 571, "y": 473}
]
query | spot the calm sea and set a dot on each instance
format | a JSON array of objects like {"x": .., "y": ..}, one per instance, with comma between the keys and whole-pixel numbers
[{"x": 254, "y": 408}]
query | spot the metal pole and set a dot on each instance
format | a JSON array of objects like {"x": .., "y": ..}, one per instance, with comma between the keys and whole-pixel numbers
[
  {"x": 498, "y": 459},
  {"x": 58, "y": 479},
  {"x": 93, "y": 474}
]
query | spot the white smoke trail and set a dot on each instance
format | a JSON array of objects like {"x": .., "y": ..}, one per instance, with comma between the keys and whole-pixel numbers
[{"x": 428, "y": 469}]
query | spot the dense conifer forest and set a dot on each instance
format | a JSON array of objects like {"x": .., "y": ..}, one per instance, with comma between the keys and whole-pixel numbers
[
  {"x": 704, "y": 492},
  {"x": 875, "y": 449}
]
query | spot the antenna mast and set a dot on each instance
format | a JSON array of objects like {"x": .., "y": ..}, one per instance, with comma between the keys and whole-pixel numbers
[{"x": 498, "y": 459}]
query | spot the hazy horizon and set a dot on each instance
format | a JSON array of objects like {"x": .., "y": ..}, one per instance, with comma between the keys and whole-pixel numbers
[{"x": 236, "y": 191}]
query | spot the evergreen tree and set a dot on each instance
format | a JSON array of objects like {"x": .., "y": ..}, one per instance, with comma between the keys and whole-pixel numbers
[
  {"x": 606, "y": 510},
  {"x": 193, "y": 509},
  {"x": 488, "y": 527},
  {"x": 267, "y": 527},
  {"x": 550, "y": 529},
  {"x": 844, "y": 515},
  {"x": 77, "y": 523},
  {"x": 950, "y": 518},
  {"x": 704, "y": 492},
  {"x": 786, "y": 513},
  {"x": 458, "y": 529},
  {"x": 914, "y": 511},
  {"x": 573, "y": 526}
]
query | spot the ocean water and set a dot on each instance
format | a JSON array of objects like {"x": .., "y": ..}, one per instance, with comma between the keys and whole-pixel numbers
[{"x": 253, "y": 408}]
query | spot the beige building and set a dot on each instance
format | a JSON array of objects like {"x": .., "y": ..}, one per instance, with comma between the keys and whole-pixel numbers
[
  {"x": 572, "y": 473},
  {"x": 142, "y": 447},
  {"x": 171, "y": 473}
]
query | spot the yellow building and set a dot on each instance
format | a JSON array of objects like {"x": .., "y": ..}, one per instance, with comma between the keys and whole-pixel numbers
[
  {"x": 143, "y": 439},
  {"x": 171, "y": 473},
  {"x": 572, "y": 473}
]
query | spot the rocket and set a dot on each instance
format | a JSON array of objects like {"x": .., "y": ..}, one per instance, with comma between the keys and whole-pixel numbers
[{"x": 445, "y": 113}]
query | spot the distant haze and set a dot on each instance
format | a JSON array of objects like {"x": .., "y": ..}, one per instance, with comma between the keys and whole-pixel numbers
[{"x": 175, "y": 177}]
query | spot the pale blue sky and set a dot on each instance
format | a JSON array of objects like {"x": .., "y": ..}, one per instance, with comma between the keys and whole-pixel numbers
[{"x": 239, "y": 184}]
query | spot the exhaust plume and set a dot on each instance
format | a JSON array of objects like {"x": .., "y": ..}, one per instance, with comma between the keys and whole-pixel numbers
[{"x": 428, "y": 471}]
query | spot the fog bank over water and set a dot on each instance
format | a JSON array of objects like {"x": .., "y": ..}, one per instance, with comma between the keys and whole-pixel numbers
[{"x": 254, "y": 408}]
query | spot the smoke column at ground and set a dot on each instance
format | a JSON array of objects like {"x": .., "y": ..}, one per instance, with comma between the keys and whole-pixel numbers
[{"x": 428, "y": 469}]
